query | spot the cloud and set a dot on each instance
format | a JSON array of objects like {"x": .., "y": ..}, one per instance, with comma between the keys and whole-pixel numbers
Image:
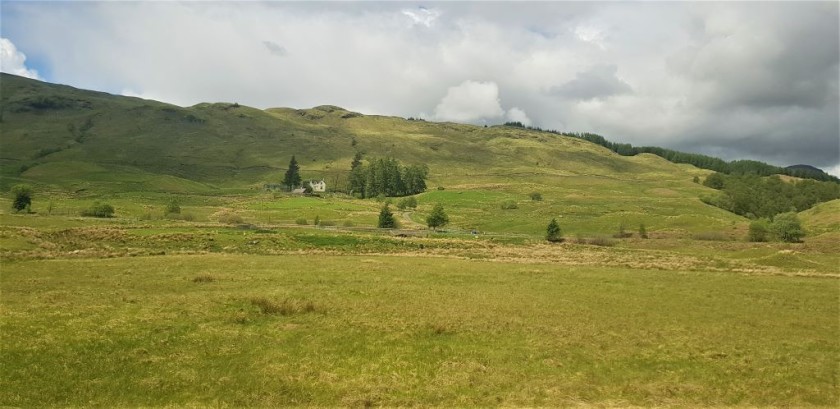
[
  {"x": 274, "y": 48},
  {"x": 470, "y": 101},
  {"x": 517, "y": 115},
  {"x": 13, "y": 61},
  {"x": 597, "y": 82},
  {"x": 741, "y": 80},
  {"x": 422, "y": 16}
]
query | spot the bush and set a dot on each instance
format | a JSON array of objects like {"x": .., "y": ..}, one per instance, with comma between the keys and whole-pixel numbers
[
  {"x": 643, "y": 231},
  {"x": 347, "y": 223},
  {"x": 786, "y": 227},
  {"x": 509, "y": 205},
  {"x": 407, "y": 202},
  {"x": 758, "y": 231},
  {"x": 535, "y": 196},
  {"x": 173, "y": 207},
  {"x": 622, "y": 232},
  {"x": 317, "y": 221},
  {"x": 99, "y": 210},
  {"x": 229, "y": 217},
  {"x": 21, "y": 197},
  {"x": 301, "y": 222},
  {"x": 326, "y": 223}
]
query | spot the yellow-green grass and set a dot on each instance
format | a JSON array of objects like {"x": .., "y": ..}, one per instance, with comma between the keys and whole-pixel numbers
[
  {"x": 397, "y": 331},
  {"x": 822, "y": 218}
]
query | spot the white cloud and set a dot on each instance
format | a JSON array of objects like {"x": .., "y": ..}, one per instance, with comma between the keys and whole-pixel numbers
[
  {"x": 13, "y": 61},
  {"x": 470, "y": 101},
  {"x": 517, "y": 115},
  {"x": 834, "y": 170},
  {"x": 661, "y": 80},
  {"x": 422, "y": 16}
]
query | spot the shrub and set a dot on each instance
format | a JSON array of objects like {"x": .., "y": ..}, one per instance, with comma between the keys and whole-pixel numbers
[
  {"x": 21, "y": 197},
  {"x": 622, "y": 232},
  {"x": 536, "y": 196},
  {"x": 229, "y": 217},
  {"x": 509, "y": 205},
  {"x": 317, "y": 221},
  {"x": 347, "y": 223},
  {"x": 99, "y": 210},
  {"x": 326, "y": 223},
  {"x": 642, "y": 231},
  {"x": 301, "y": 222},
  {"x": 786, "y": 227},
  {"x": 173, "y": 207},
  {"x": 441, "y": 188},
  {"x": 204, "y": 278},
  {"x": 407, "y": 202},
  {"x": 758, "y": 231}
]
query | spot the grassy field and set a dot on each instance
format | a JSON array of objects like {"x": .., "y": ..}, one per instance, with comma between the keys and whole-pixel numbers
[
  {"x": 133, "y": 312},
  {"x": 227, "y": 329}
]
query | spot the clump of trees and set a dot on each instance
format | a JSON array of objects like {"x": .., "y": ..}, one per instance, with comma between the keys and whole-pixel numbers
[
  {"x": 759, "y": 197},
  {"x": 784, "y": 227},
  {"x": 386, "y": 176},
  {"x": 21, "y": 197}
]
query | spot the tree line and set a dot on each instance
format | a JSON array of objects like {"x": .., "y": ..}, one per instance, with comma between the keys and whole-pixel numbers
[
  {"x": 736, "y": 167},
  {"x": 755, "y": 197}
]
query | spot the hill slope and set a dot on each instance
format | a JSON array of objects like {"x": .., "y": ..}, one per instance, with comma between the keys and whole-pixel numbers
[{"x": 71, "y": 140}]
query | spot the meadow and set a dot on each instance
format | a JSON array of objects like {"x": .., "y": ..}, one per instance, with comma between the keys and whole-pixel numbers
[{"x": 132, "y": 311}]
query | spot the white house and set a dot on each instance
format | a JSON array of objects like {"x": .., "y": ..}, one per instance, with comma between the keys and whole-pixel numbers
[{"x": 318, "y": 186}]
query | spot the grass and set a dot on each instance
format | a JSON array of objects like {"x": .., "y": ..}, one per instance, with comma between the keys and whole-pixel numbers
[{"x": 398, "y": 331}]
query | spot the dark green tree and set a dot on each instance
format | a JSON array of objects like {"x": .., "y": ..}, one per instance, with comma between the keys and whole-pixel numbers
[
  {"x": 386, "y": 219},
  {"x": 292, "y": 178},
  {"x": 21, "y": 197},
  {"x": 437, "y": 218},
  {"x": 553, "y": 233},
  {"x": 714, "y": 181}
]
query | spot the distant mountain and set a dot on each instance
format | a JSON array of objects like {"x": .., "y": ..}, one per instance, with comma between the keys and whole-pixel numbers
[{"x": 806, "y": 168}]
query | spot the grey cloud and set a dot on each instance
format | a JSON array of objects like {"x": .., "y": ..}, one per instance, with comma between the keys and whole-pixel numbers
[
  {"x": 597, "y": 82},
  {"x": 748, "y": 80},
  {"x": 274, "y": 48}
]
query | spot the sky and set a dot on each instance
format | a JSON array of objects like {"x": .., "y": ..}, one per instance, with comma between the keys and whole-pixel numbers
[{"x": 752, "y": 80}]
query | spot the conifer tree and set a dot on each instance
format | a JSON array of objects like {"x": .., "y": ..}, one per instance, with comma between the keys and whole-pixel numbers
[
  {"x": 292, "y": 178},
  {"x": 386, "y": 218},
  {"x": 553, "y": 233}
]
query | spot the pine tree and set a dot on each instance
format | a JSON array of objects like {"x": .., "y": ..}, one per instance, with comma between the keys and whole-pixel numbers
[
  {"x": 292, "y": 178},
  {"x": 437, "y": 218},
  {"x": 553, "y": 233},
  {"x": 386, "y": 219}
]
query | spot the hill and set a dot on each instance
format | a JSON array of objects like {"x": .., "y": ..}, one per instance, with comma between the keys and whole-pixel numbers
[{"x": 73, "y": 141}]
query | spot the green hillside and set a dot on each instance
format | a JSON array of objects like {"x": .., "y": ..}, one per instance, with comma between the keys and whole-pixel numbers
[{"x": 77, "y": 142}]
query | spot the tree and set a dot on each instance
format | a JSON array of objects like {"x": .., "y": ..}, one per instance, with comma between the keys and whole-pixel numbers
[
  {"x": 714, "y": 181},
  {"x": 437, "y": 218},
  {"x": 386, "y": 219},
  {"x": 292, "y": 178},
  {"x": 553, "y": 233},
  {"x": 22, "y": 197},
  {"x": 787, "y": 228}
]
